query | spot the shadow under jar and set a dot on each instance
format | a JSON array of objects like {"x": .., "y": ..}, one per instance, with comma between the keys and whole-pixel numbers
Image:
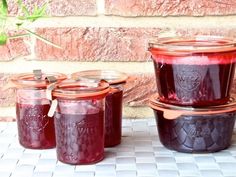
[
  {"x": 188, "y": 129},
  {"x": 196, "y": 71},
  {"x": 79, "y": 121},
  {"x": 35, "y": 128},
  {"x": 113, "y": 101}
]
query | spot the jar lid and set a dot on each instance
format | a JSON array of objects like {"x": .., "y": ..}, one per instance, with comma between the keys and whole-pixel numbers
[
  {"x": 190, "y": 45},
  {"x": 174, "y": 112},
  {"x": 73, "y": 89},
  {"x": 111, "y": 76},
  {"x": 37, "y": 79}
]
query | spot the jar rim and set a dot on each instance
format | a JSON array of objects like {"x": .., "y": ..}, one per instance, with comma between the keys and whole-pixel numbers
[
  {"x": 29, "y": 79},
  {"x": 177, "y": 111},
  {"x": 188, "y": 45},
  {"x": 111, "y": 76},
  {"x": 73, "y": 89}
]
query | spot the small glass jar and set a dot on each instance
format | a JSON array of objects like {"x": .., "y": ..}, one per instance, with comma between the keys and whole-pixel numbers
[
  {"x": 35, "y": 128},
  {"x": 194, "y": 71},
  {"x": 114, "y": 100},
  {"x": 79, "y": 121},
  {"x": 188, "y": 129}
]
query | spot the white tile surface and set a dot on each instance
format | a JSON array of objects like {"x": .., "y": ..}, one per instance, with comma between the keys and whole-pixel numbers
[{"x": 139, "y": 155}]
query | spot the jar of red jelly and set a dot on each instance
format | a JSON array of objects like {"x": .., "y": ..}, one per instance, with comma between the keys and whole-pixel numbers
[
  {"x": 188, "y": 129},
  {"x": 194, "y": 71},
  {"x": 113, "y": 108},
  {"x": 35, "y": 127},
  {"x": 79, "y": 121}
]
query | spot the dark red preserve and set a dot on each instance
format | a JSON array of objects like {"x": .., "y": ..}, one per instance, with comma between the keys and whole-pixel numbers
[
  {"x": 113, "y": 103},
  {"x": 195, "y": 71},
  {"x": 79, "y": 121},
  {"x": 188, "y": 129},
  {"x": 35, "y": 128}
]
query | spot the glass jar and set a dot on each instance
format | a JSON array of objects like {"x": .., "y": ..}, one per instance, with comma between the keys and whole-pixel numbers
[
  {"x": 114, "y": 100},
  {"x": 79, "y": 121},
  {"x": 188, "y": 129},
  {"x": 35, "y": 127},
  {"x": 194, "y": 71}
]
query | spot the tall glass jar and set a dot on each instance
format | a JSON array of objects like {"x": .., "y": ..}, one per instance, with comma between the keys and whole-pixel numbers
[
  {"x": 35, "y": 127},
  {"x": 113, "y": 108},
  {"x": 79, "y": 121}
]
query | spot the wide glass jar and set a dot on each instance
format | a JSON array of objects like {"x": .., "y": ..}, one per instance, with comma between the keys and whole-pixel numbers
[
  {"x": 194, "y": 71},
  {"x": 188, "y": 129},
  {"x": 79, "y": 121},
  {"x": 114, "y": 100},
  {"x": 35, "y": 127}
]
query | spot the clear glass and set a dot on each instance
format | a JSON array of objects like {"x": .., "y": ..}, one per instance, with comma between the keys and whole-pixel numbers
[
  {"x": 79, "y": 121},
  {"x": 196, "y": 71},
  {"x": 113, "y": 116},
  {"x": 113, "y": 103},
  {"x": 35, "y": 128},
  {"x": 195, "y": 130},
  {"x": 80, "y": 131}
]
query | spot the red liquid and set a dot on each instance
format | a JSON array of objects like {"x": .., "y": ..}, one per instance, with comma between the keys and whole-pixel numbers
[
  {"x": 113, "y": 117},
  {"x": 196, "y": 133},
  {"x": 194, "y": 85},
  {"x": 80, "y": 138},
  {"x": 35, "y": 128}
]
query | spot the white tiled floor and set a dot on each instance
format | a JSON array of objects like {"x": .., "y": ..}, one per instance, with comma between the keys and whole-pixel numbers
[{"x": 139, "y": 155}]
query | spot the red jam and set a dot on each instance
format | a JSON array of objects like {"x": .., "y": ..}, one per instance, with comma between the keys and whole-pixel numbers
[
  {"x": 194, "y": 85},
  {"x": 113, "y": 101},
  {"x": 196, "y": 133},
  {"x": 194, "y": 72},
  {"x": 79, "y": 121},
  {"x": 80, "y": 138},
  {"x": 188, "y": 129},
  {"x": 113, "y": 117},
  {"x": 35, "y": 128}
]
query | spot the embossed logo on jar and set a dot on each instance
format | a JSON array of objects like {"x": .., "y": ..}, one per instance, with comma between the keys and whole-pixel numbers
[
  {"x": 189, "y": 79},
  {"x": 196, "y": 131},
  {"x": 88, "y": 126}
]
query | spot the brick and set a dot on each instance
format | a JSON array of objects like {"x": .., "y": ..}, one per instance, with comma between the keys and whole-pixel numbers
[
  {"x": 95, "y": 44},
  {"x": 170, "y": 7},
  {"x": 14, "y": 48},
  {"x": 138, "y": 89},
  {"x": 59, "y": 7},
  {"x": 73, "y": 7},
  {"x": 106, "y": 44},
  {"x": 7, "y": 96}
]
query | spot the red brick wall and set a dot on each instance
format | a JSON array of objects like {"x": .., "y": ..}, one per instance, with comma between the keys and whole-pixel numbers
[{"x": 85, "y": 37}]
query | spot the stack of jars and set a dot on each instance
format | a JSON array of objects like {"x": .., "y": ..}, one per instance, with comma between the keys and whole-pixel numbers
[
  {"x": 79, "y": 116},
  {"x": 194, "y": 109}
]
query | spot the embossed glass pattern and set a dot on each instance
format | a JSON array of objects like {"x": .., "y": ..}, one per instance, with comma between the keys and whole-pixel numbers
[
  {"x": 79, "y": 121},
  {"x": 113, "y": 101},
  {"x": 188, "y": 129},
  {"x": 35, "y": 128},
  {"x": 194, "y": 71}
]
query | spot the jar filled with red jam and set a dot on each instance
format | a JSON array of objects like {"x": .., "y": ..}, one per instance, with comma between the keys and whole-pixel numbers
[
  {"x": 196, "y": 71},
  {"x": 79, "y": 121},
  {"x": 35, "y": 127},
  {"x": 199, "y": 130},
  {"x": 113, "y": 108}
]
